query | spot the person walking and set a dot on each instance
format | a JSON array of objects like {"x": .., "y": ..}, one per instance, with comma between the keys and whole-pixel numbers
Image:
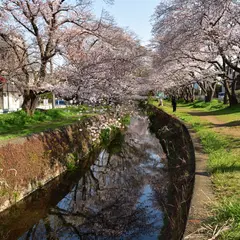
[
  {"x": 160, "y": 102},
  {"x": 174, "y": 103}
]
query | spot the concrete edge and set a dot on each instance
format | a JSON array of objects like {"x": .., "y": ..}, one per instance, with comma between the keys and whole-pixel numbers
[
  {"x": 202, "y": 195},
  {"x": 186, "y": 174},
  {"x": 202, "y": 192}
]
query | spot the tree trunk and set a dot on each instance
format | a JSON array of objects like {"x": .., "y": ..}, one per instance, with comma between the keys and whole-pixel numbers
[
  {"x": 192, "y": 94},
  {"x": 225, "y": 99},
  {"x": 187, "y": 94},
  {"x": 231, "y": 93},
  {"x": 186, "y": 97},
  {"x": 208, "y": 89},
  {"x": 209, "y": 96},
  {"x": 233, "y": 100},
  {"x": 30, "y": 101},
  {"x": 210, "y": 92},
  {"x": 53, "y": 101}
]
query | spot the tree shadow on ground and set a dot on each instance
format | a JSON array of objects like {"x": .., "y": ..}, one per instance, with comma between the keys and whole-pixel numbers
[
  {"x": 234, "y": 143},
  {"x": 224, "y": 111},
  {"x": 224, "y": 169},
  {"x": 206, "y": 174},
  {"x": 229, "y": 124},
  {"x": 201, "y": 114}
]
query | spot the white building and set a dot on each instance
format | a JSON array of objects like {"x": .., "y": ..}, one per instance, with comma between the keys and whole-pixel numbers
[{"x": 10, "y": 98}]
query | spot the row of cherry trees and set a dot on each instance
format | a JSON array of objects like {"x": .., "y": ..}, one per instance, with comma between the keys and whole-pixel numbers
[
  {"x": 197, "y": 41},
  {"x": 103, "y": 66},
  {"x": 60, "y": 46}
]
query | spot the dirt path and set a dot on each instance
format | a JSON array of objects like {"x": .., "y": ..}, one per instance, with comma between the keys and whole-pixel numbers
[{"x": 224, "y": 127}]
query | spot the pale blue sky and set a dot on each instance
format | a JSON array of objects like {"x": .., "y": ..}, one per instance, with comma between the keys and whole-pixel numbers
[{"x": 134, "y": 14}]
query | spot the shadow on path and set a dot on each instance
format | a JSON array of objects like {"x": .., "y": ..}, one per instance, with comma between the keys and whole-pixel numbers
[
  {"x": 229, "y": 124},
  {"x": 224, "y": 111},
  {"x": 206, "y": 174}
]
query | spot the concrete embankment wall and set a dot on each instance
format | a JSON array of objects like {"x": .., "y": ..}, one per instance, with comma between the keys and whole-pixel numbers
[
  {"x": 28, "y": 163},
  {"x": 192, "y": 183},
  {"x": 178, "y": 146}
]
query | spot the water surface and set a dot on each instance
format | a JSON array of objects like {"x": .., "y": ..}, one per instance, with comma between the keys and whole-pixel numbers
[{"x": 118, "y": 197}]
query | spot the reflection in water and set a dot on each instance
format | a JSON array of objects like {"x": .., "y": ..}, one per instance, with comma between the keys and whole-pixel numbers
[{"x": 117, "y": 198}]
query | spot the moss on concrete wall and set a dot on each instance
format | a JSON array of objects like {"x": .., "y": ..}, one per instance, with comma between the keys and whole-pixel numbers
[{"x": 28, "y": 163}]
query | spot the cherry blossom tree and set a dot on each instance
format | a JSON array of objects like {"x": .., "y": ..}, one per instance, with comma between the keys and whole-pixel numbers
[
  {"x": 104, "y": 67},
  {"x": 202, "y": 32},
  {"x": 35, "y": 31}
]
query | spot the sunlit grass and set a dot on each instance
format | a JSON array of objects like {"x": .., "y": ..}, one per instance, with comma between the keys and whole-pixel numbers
[
  {"x": 214, "y": 108},
  {"x": 18, "y": 124}
]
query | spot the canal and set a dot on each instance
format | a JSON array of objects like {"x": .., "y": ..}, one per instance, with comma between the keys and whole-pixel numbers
[{"x": 119, "y": 195}]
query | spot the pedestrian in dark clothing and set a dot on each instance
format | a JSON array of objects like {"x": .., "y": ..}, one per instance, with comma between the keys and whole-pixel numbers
[{"x": 174, "y": 103}]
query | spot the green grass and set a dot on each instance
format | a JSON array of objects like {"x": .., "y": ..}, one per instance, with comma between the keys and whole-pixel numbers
[
  {"x": 228, "y": 213},
  {"x": 213, "y": 105},
  {"x": 18, "y": 124},
  {"x": 214, "y": 108},
  {"x": 223, "y": 162}
]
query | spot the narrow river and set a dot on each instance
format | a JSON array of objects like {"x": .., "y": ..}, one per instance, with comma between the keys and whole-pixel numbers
[{"x": 118, "y": 196}]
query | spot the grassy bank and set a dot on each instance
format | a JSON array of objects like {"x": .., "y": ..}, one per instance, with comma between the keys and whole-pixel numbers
[
  {"x": 223, "y": 148},
  {"x": 18, "y": 124}
]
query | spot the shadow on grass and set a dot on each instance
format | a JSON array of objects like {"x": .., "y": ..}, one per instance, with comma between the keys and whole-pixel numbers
[
  {"x": 226, "y": 169},
  {"x": 234, "y": 143},
  {"x": 229, "y": 124},
  {"x": 224, "y": 111}
]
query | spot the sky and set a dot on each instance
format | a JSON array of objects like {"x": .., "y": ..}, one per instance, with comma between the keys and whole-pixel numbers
[{"x": 134, "y": 14}]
